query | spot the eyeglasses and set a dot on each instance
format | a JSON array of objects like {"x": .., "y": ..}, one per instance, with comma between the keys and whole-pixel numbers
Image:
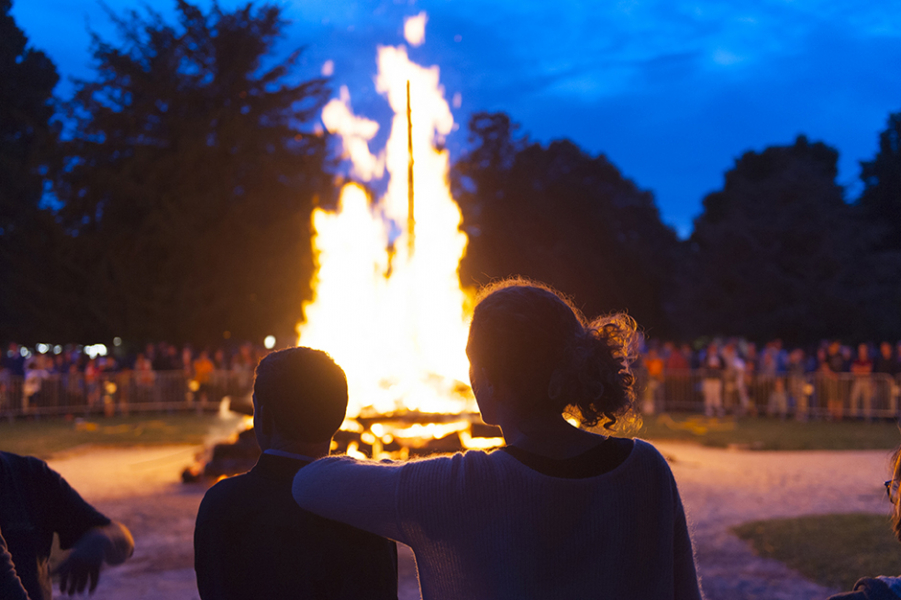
[{"x": 889, "y": 488}]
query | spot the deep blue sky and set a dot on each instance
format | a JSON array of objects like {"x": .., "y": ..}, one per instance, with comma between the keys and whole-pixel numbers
[{"x": 672, "y": 92}]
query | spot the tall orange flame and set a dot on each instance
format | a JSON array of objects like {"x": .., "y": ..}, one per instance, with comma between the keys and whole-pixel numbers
[{"x": 390, "y": 310}]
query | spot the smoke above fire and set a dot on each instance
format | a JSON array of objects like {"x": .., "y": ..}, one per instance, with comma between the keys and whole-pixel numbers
[{"x": 387, "y": 301}]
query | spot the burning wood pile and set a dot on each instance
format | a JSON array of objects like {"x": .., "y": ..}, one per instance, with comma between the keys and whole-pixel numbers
[{"x": 395, "y": 437}]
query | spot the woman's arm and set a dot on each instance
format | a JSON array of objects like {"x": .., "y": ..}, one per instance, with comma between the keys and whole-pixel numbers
[
  {"x": 687, "y": 586},
  {"x": 360, "y": 493}
]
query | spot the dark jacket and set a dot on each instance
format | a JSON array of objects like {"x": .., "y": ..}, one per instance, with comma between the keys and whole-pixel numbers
[
  {"x": 869, "y": 589},
  {"x": 10, "y": 584},
  {"x": 253, "y": 541}
]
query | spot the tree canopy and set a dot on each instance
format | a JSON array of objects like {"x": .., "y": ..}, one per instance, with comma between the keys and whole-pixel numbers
[
  {"x": 559, "y": 215},
  {"x": 881, "y": 197},
  {"x": 178, "y": 206},
  {"x": 190, "y": 177},
  {"x": 778, "y": 252},
  {"x": 28, "y": 138}
]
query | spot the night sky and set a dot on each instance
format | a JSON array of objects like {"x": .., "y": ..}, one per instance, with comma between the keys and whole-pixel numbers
[{"x": 672, "y": 92}]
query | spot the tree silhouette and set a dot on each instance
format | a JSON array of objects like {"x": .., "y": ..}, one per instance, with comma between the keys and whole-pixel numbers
[
  {"x": 557, "y": 214},
  {"x": 881, "y": 197},
  {"x": 28, "y": 140},
  {"x": 190, "y": 179},
  {"x": 778, "y": 253}
]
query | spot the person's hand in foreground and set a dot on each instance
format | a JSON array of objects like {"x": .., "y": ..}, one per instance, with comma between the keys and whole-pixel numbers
[{"x": 112, "y": 544}]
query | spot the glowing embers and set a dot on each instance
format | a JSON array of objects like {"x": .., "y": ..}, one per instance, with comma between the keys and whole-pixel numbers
[
  {"x": 389, "y": 310},
  {"x": 414, "y": 434}
]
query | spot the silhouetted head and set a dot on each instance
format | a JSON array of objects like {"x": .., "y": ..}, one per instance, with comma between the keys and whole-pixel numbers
[
  {"x": 299, "y": 394},
  {"x": 530, "y": 338}
]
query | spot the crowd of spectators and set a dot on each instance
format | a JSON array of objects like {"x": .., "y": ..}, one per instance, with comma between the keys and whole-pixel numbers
[
  {"x": 734, "y": 375},
  {"x": 160, "y": 372},
  {"x": 738, "y": 376}
]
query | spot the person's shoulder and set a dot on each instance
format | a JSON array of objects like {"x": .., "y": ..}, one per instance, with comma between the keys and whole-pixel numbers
[
  {"x": 645, "y": 454},
  {"x": 21, "y": 459},
  {"x": 879, "y": 588},
  {"x": 225, "y": 496},
  {"x": 26, "y": 465}
]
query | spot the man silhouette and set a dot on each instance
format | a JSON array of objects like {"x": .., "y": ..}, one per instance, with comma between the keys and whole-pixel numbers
[
  {"x": 251, "y": 539},
  {"x": 36, "y": 503}
]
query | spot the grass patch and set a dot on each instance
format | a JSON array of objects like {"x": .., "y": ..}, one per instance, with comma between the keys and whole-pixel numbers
[
  {"x": 46, "y": 437},
  {"x": 759, "y": 433},
  {"x": 832, "y": 550}
]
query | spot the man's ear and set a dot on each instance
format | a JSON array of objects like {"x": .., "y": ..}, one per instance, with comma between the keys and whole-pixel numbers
[{"x": 261, "y": 417}]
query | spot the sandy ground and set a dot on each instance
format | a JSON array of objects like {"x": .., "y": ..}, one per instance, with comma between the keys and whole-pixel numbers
[{"x": 720, "y": 489}]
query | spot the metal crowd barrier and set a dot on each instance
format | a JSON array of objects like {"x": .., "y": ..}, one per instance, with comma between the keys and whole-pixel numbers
[
  {"x": 118, "y": 392},
  {"x": 811, "y": 395}
]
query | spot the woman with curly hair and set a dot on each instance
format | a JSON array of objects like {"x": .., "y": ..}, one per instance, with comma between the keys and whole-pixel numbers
[{"x": 560, "y": 512}]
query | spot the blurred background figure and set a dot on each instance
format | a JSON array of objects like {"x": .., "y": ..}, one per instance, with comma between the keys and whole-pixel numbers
[
  {"x": 36, "y": 503},
  {"x": 862, "y": 387}
]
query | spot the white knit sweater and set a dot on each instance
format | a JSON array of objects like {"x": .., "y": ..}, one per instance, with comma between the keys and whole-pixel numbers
[{"x": 485, "y": 526}]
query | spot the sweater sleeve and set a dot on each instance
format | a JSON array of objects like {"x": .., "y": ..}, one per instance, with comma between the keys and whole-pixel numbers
[
  {"x": 685, "y": 576},
  {"x": 362, "y": 494}
]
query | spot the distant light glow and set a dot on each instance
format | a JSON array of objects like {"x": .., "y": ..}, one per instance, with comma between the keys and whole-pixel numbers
[
  {"x": 269, "y": 342},
  {"x": 117, "y": 341},
  {"x": 328, "y": 68},
  {"x": 57, "y": 349},
  {"x": 414, "y": 29},
  {"x": 95, "y": 350},
  {"x": 457, "y": 100},
  {"x": 23, "y": 351},
  {"x": 354, "y": 452},
  {"x": 42, "y": 348}
]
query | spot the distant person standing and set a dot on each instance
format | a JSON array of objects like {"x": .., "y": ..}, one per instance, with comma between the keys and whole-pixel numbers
[
  {"x": 203, "y": 371},
  {"x": 712, "y": 386},
  {"x": 653, "y": 366},
  {"x": 14, "y": 360},
  {"x": 677, "y": 381},
  {"x": 251, "y": 539},
  {"x": 797, "y": 384},
  {"x": 676, "y": 359},
  {"x": 831, "y": 364},
  {"x": 36, "y": 503},
  {"x": 888, "y": 367},
  {"x": 862, "y": 388}
]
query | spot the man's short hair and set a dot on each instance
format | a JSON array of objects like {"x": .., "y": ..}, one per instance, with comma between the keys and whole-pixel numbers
[{"x": 303, "y": 392}]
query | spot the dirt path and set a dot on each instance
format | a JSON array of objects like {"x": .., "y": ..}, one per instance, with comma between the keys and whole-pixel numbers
[{"x": 720, "y": 489}]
